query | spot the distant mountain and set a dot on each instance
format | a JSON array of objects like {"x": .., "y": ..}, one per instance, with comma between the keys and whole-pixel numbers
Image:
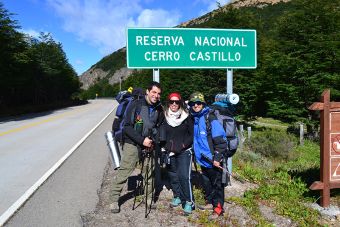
[{"x": 113, "y": 66}]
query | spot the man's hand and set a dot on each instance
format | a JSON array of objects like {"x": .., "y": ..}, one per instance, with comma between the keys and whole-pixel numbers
[{"x": 147, "y": 142}]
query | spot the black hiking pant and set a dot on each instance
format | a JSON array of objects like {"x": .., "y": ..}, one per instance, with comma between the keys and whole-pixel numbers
[{"x": 212, "y": 185}]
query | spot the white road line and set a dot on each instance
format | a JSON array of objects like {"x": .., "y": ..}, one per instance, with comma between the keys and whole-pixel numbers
[{"x": 15, "y": 206}]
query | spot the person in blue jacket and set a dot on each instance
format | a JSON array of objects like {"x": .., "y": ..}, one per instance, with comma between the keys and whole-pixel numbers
[{"x": 209, "y": 160}]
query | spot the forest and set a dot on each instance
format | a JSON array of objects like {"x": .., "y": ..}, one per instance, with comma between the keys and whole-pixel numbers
[
  {"x": 298, "y": 47},
  {"x": 35, "y": 74}
]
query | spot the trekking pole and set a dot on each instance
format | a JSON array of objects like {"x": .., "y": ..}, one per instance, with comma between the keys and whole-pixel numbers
[
  {"x": 146, "y": 192},
  {"x": 152, "y": 178},
  {"x": 212, "y": 162},
  {"x": 225, "y": 169},
  {"x": 139, "y": 187},
  {"x": 151, "y": 172}
]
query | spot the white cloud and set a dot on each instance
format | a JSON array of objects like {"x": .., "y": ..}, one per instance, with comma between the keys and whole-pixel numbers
[
  {"x": 157, "y": 18},
  {"x": 211, "y": 4},
  {"x": 103, "y": 23},
  {"x": 31, "y": 32}
]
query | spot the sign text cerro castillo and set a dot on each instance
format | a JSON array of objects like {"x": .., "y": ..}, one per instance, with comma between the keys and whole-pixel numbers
[{"x": 190, "y": 48}]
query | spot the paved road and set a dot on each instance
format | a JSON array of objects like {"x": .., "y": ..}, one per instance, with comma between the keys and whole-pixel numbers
[{"x": 72, "y": 189}]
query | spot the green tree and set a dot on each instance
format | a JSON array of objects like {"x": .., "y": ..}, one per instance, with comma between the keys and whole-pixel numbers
[
  {"x": 307, "y": 58},
  {"x": 33, "y": 72},
  {"x": 53, "y": 77},
  {"x": 12, "y": 58}
]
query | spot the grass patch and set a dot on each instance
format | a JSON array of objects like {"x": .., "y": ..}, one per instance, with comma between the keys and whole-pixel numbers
[
  {"x": 198, "y": 195},
  {"x": 269, "y": 123},
  {"x": 272, "y": 121},
  {"x": 283, "y": 172},
  {"x": 283, "y": 180},
  {"x": 249, "y": 202}
]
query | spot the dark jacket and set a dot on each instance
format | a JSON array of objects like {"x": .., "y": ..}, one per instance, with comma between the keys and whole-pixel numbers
[
  {"x": 150, "y": 115},
  {"x": 179, "y": 138}
]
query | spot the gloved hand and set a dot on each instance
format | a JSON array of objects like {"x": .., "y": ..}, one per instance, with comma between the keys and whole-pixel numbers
[{"x": 218, "y": 157}]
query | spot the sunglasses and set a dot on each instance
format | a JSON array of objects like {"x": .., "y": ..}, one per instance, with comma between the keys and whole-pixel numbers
[
  {"x": 174, "y": 101},
  {"x": 195, "y": 103}
]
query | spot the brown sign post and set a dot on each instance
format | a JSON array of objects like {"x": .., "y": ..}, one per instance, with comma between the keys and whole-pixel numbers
[{"x": 329, "y": 147}]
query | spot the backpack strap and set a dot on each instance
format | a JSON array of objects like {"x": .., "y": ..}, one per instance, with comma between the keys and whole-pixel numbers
[
  {"x": 136, "y": 110},
  {"x": 209, "y": 134}
]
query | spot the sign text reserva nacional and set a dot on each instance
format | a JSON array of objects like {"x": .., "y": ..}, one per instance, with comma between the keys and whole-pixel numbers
[
  {"x": 194, "y": 56},
  {"x": 190, "y": 48}
]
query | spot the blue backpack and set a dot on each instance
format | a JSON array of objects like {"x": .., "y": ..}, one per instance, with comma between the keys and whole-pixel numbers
[
  {"x": 119, "y": 121},
  {"x": 227, "y": 120}
]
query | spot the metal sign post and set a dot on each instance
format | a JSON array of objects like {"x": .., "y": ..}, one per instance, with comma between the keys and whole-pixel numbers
[
  {"x": 155, "y": 75},
  {"x": 329, "y": 147},
  {"x": 230, "y": 92}
]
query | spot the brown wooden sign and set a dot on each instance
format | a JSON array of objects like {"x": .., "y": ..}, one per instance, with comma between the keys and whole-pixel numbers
[{"x": 329, "y": 147}]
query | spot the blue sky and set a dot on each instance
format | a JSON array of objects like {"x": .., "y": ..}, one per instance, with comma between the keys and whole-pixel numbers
[{"x": 91, "y": 29}]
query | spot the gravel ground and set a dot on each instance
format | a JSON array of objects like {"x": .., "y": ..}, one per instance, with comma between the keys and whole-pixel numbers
[{"x": 165, "y": 216}]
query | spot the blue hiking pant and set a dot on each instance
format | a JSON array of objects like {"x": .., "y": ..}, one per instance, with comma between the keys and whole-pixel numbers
[{"x": 179, "y": 172}]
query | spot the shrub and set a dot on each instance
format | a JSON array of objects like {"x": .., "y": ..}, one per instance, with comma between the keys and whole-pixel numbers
[
  {"x": 272, "y": 143},
  {"x": 199, "y": 196}
]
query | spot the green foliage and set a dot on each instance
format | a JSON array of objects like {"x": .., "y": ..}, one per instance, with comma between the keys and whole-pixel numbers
[
  {"x": 282, "y": 185},
  {"x": 203, "y": 219},
  {"x": 112, "y": 62},
  {"x": 102, "y": 89},
  {"x": 305, "y": 157},
  {"x": 272, "y": 143},
  {"x": 250, "y": 204},
  {"x": 286, "y": 193},
  {"x": 199, "y": 196},
  {"x": 255, "y": 175},
  {"x": 303, "y": 61},
  {"x": 33, "y": 72}
]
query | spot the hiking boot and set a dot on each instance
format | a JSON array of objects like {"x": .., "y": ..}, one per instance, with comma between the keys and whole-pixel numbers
[
  {"x": 187, "y": 208},
  {"x": 175, "y": 202},
  {"x": 114, "y": 207},
  {"x": 207, "y": 206},
  {"x": 218, "y": 211}
]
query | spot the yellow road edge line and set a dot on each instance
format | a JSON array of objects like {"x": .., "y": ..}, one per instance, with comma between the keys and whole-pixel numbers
[{"x": 30, "y": 125}]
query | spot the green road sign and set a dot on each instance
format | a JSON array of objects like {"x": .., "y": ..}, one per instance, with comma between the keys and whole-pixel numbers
[{"x": 190, "y": 48}]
